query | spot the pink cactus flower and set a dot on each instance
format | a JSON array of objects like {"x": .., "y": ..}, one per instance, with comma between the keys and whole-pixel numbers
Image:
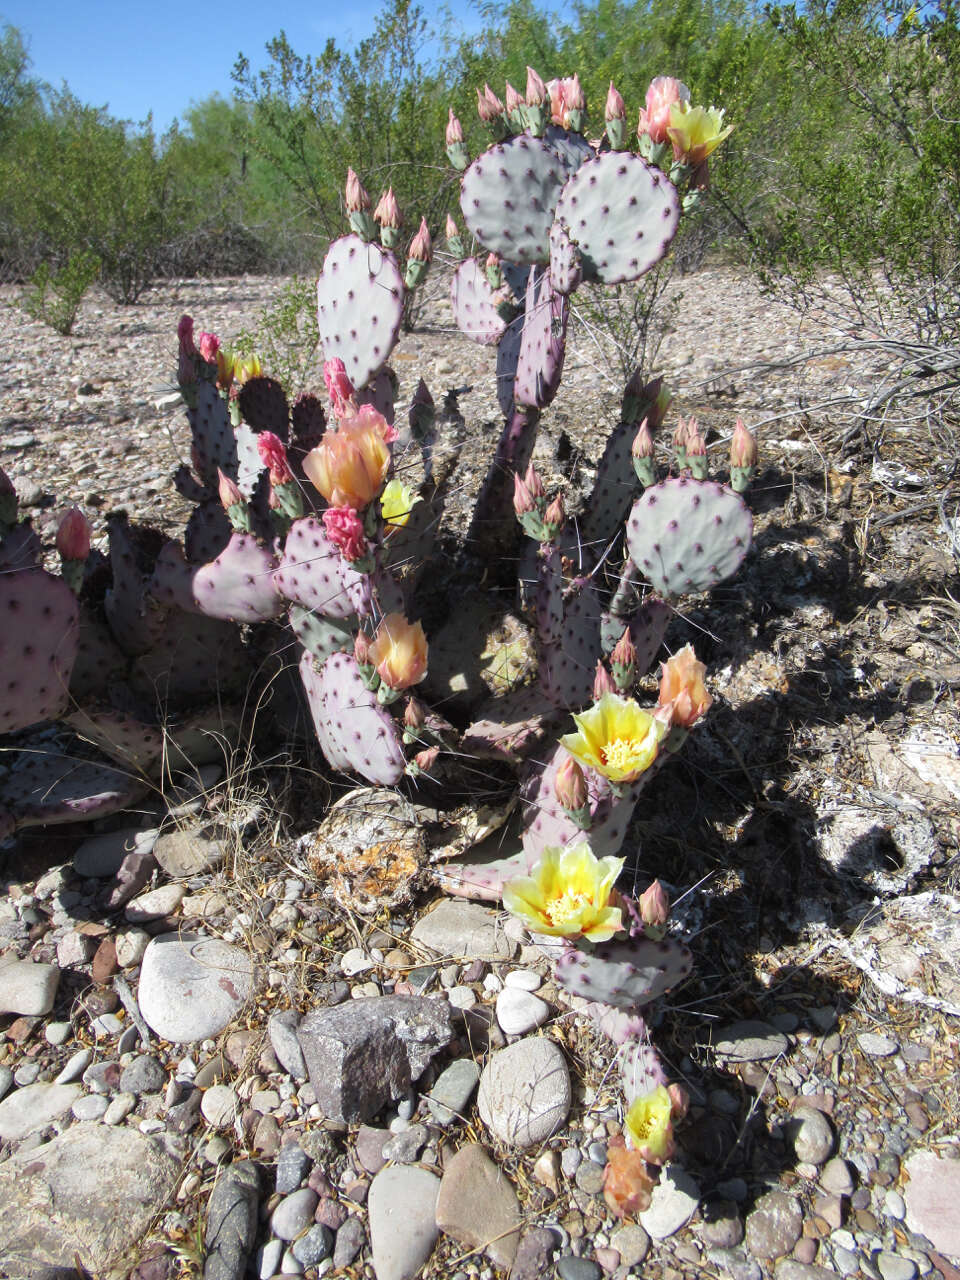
[
  {"x": 339, "y": 387},
  {"x": 208, "y": 344},
  {"x": 682, "y": 688},
  {"x": 421, "y": 246},
  {"x": 185, "y": 336},
  {"x": 355, "y": 196},
  {"x": 273, "y": 454},
  {"x": 73, "y": 535},
  {"x": 662, "y": 94},
  {"x": 555, "y": 91},
  {"x": 345, "y": 530},
  {"x": 399, "y": 652},
  {"x": 616, "y": 108},
  {"x": 454, "y": 129}
]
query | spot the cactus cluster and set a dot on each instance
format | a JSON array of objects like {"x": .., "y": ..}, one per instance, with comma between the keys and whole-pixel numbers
[{"x": 304, "y": 548}]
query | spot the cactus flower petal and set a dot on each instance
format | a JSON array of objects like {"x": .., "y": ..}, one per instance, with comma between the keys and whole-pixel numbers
[
  {"x": 399, "y": 652},
  {"x": 567, "y": 895},
  {"x": 616, "y": 737},
  {"x": 648, "y": 1125}
]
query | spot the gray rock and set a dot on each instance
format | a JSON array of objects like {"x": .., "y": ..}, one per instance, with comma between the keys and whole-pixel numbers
[
  {"x": 231, "y": 1222},
  {"x": 282, "y": 1029},
  {"x": 269, "y": 1258},
  {"x": 812, "y": 1135},
  {"x": 119, "y": 1108},
  {"x": 722, "y": 1228},
  {"x": 877, "y": 1046},
  {"x": 452, "y": 1091},
  {"x": 894, "y": 1267},
  {"x": 520, "y": 1011},
  {"x": 57, "y": 1033},
  {"x": 774, "y": 1226},
  {"x": 143, "y": 1075},
  {"x": 27, "y": 988},
  {"x": 350, "y": 1240},
  {"x": 75, "y": 1066},
  {"x": 524, "y": 1094},
  {"x": 370, "y": 1143},
  {"x": 314, "y": 1245},
  {"x": 32, "y": 1108},
  {"x": 6, "y": 1081},
  {"x": 478, "y": 1206},
  {"x": 790, "y": 1269},
  {"x": 673, "y": 1203},
  {"x": 570, "y": 1267},
  {"x": 92, "y": 1192},
  {"x": 294, "y": 1213},
  {"x": 102, "y": 856},
  {"x": 404, "y": 1147},
  {"x": 91, "y": 1106},
  {"x": 735, "y": 1263},
  {"x": 192, "y": 987},
  {"x": 188, "y": 853},
  {"x": 132, "y": 876},
  {"x": 293, "y": 1165},
  {"x": 366, "y": 1053},
  {"x": 856, "y": 843},
  {"x": 155, "y": 904},
  {"x": 750, "y": 1041},
  {"x": 464, "y": 931},
  {"x": 219, "y": 1105},
  {"x": 836, "y": 1177},
  {"x": 534, "y": 1254},
  {"x": 402, "y": 1207},
  {"x": 632, "y": 1243}
]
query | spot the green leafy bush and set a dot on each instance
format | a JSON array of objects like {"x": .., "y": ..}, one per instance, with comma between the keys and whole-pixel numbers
[{"x": 55, "y": 296}]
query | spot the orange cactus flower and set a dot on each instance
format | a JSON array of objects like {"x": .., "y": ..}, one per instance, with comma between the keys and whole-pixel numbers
[
  {"x": 349, "y": 465},
  {"x": 682, "y": 688},
  {"x": 399, "y": 652}
]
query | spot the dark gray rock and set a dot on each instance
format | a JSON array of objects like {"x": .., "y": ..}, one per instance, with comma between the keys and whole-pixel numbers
[
  {"x": 231, "y": 1222},
  {"x": 314, "y": 1245},
  {"x": 364, "y": 1054},
  {"x": 293, "y": 1165},
  {"x": 143, "y": 1075},
  {"x": 282, "y": 1029},
  {"x": 350, "y": 1240},
  {"x": 570, "y": 1267},
  {"x": 534, "y": 1254},
  {"x": 134, "y": 873}
]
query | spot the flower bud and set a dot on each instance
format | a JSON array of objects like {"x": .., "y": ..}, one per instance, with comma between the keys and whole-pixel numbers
[
  {"x": 489, "y": 107},
  {"x": 361, "y": 649},
  {"x": 654, "y": 905},
  {"x": 743, "y": 457},
  {"x": 513, "y": 100},
  {"x": 422, "y": 412},
  {"x": 493, "y": 269},
  {"x": 574, "y": 103},
  {"x": 642, "y": 446},
  {"x": 602, "y": 682},
  {"x": 696, "y": 452},
  {"x": 426, "y": 759},
  {"x": 414, "y": 714},
  {"x": 454, "y": 129},
  {"x": 387, "y": 212},
  {"x": 73, "y": 536},
  {"x": 679, "y": 1100},
  {"x": 355, "y": 195},
  {"x": 570, "y": 785},
  {"x": 208, "y": 344},
  {"x": 615, "y": 108},
  {"x": 273, "y": 455},
  {"x": 536, "y": 89},
  {"x": 534, "y": 484},
  {"x": 185, "y": 336},
  {"x": 522, "y": 499},
  {"x": 229, "y": 493},
  {"x": 421, "y": 246},
  {"x": 345, "y": 530},
  {"x": 623, "y": 662},
  {"x": 554, "y": 516},
  {"x": 339, "y": 387}
]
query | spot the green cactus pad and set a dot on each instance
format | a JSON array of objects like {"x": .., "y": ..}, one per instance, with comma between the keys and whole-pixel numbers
[
  {"x": 508, "y": 197},
  {"x": 572, "y": 148},
  {"x": 355, "y": 733},
  {"x": 508, "y": 356},
  {"x": 622, "y": 213},
  {"x": 648, "y": 625},
  {"x": 614, "y": 489},
  {"x": 136, "y": 620},
  {"x": 239, "y": 586},
  {"x": 313, "y": 573},
  {"x": 39, "y": 629},
  {"x": 360, "y": 296},
  {"x": 124, "y": 739},
  {"x": 569, "y": 665},
  {"x": 473, "y": 306},
  {"x": 627, "y": 973},
  {"x": 195, "y": 658},
  {"x": 20, "y": 549},
  {"x": 566, "y": 265},
  {"x": 322, "y": 636},
  {"x": 687, "y": 535},
  {"x": 208, "y": 532}
]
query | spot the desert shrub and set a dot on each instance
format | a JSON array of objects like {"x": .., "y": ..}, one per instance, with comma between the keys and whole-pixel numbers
[
  {"x": 54, "y": 296},
  {"x": 285, "y": 337}
]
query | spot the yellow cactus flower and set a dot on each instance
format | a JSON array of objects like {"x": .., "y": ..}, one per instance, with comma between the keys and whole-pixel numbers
[
  {"x": 399, "y": 652},
  {"x": 616, "y": 738},
  {"x": 567, "y": 895},
  {"x": 696, "y": 132},
  {"x": 396, "y": 503},
  {"x": 648, "y": 1126}
]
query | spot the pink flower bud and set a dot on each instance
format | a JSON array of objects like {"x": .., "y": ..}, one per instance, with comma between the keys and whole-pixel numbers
[
  {"x": 642, "y": 446},
  {"x": 185, "y": 336},
  {"x": 534, "y": 484},
  {"x": 680, "y": 433},
  {"x": 514, "y": 101},
  {"x": 572, "y": 91},
  {"x": 679, "y": 1100},
  {"x": 654, "y": 905},
  {"x": 355, "y": 197},
  {"x": 414, "y": 714},
  {"x": 570, "y": 785},
  {"x": 494, "y": 262},
  {"x": 555, "y": 90},
  {"x": 602, "y": 682},
  {"x": 208, "y": 344},
  {"x": 489, "y": 106},
  {"x": 454, "y": 129},
  {"x": 536, "y": 89},
  {"x": 339, "y": 387},
  {"x": 624, "y": 653},
  {"x": 421, "y": 246},
  {"x": 616, "y": 108},
  {"x": 696, "y": 448},
  {"x": 361, "y": 648},
  {"x": 387, "y": 212},
  {"x": 743, "y": 446},
  {"x": 555, "y": 513},
  {"x": 345, "y": 530},
  {"x": 230, "y": 495},
  {"x": 450, "y": 230},
  {"x": 273, "y": 455},
  {"x": 73, "y": 535},
  {"x": 522, "y": 499},
  {"x": 425, "y": 760}
]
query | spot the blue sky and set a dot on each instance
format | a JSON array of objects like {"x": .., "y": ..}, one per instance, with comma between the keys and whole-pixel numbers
[{"x": 134, "y": 57}]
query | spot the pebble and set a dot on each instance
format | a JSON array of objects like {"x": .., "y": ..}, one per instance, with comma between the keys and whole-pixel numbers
[
  {"x": 27, "y": 987},
  {"x": 931, "y": 1197},
  {"x": 143, "y": 1075},
  {"x": 722, "y": 1228},
  {"x": 894, "y": 1206},
  {"x": 6, "y": 1081},
  {"x": 673, "y": 1203},
  {"x": 750, "y": 1041},
  {"x": 192, "y": 987},
  {"x": 131, "y": 945},
  {"x": 119, "y": 1108},
  {"x": 877, "y": 1046},
  {"x": 478, "y": 1206},
  {"x": 270, "y": 1256},
  {"x": 812, "y": 1135},
  {"x": 894, "y": 1267},
  {"x": 524, "y": 1095},
  {"x": 26, "y": 1073},
  {"x": 355, "y": 961},
  {"x": 155, "y": 904},
  {"x": 520, "y": 1011},
  {"x": 589, "y": 1178},
  {"x": 35, "y": 1107},
  {"x": 57, "y": 1033},
  {"x": 74, "y": 1067},
  {"x": 314, "y": 1245},
  {"x": 464, "y": 931},
  {"x": 837, "y": 1177},
  {"x": 187, "y": 853},
  {"x": 570, "y": 1159},
  {"x": 632, "y": 1243},
  {"x": 403, "y": 1148},
  {"x": 452, "y": 1090},
  {"x": 774, "y": 1225},
  {"x": 294, "y": 1214},
  {"x": 570, "y": 1267},
  {"x": 101, "y": 856},
  {"x": 293, "y": 1165},
  {"x": 349, "y": 1241},
  {"x": 91, "y": 1106},
  {"x": 402, "y": 1205},
  {"x": 219, "y": 1105},
  {"x": 523, "y": 979},
  {"x": 462, "y": 997}
]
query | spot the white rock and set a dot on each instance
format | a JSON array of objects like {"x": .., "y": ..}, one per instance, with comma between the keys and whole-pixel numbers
[
  {"x": 219, "y": 1105},
  {"x": 524, "y": 1094},
  {"x": 27, "y": 988},
  {"x": 33, "y": 1107},
  {"x": 191, "y": 987},
  {"x": 355, "y": 961},
  {"x": 523, "y": 979},
  {"x": 155, "y": 904},
  {"x": 74, "y": 949},
  {"x": 520, "y": 1011},
  {"x": 673, "y": 1203},
  {"x": 402, "y": 1205},
  {"x": 131, "y": 944}
]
